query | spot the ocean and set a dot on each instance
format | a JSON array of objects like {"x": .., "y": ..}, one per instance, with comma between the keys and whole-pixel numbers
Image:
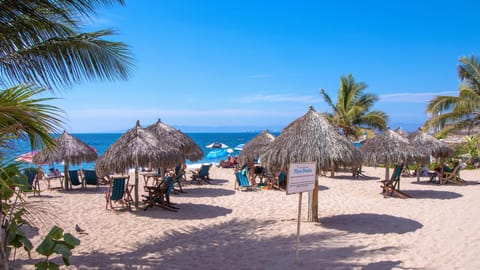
[{"x": 101, "y": 141}]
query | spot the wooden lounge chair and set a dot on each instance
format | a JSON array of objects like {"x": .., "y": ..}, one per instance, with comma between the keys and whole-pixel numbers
[
  {"x": 281, "y": 181},
  {"x": 452, "y": 177},
  {"x": 74, "y": 179},
  {"x": 202, "y": 174},
  {"x": 179, "y": 176},
  {"x": 391, "y": 187},
  {"x": 242, "y": 182},
  {"x": 90, "y": 178},
  {"x": 118, "y": 191},
  {"x": 159, "y": 195},
  {"x": 32, "y": 183}
]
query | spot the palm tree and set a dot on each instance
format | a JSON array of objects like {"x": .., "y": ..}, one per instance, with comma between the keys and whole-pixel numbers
[
  {"x": 352, "y": 109},
  {"x": 41, "y": 47},
  {"x": 22, "y": 115},
  {"x": 462, "y": 112},
  {"x": 41, "y": 44}
]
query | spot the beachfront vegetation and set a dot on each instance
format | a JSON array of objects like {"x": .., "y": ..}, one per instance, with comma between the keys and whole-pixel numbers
[
  {"x": 42, "y": 48},
  {"x": 352, "y": 111},
  {"x": 454, "y": 113}
]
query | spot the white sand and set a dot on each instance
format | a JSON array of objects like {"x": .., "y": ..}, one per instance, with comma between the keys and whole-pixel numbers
[{"x": 220, "y": 228}]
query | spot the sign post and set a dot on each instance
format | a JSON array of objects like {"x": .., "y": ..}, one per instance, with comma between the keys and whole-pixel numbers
[{"x": 301, "y": 178}]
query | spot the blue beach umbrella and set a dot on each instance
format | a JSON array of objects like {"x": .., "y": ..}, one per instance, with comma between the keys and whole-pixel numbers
[
  {"x": 217, "y": 153},
  {"x": 239, "y": 147}
]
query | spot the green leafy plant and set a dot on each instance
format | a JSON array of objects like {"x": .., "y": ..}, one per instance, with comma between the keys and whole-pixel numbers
[{"x": 56, "y": 242}]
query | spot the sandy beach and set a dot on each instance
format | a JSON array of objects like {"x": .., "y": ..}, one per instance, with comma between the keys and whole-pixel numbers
[{"x": 218, "y": 227}]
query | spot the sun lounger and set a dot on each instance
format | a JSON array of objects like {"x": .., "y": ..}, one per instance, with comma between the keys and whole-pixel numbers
[
  {"x": 242, "y": 182},
  {"x": 32, "y": 183},
  {"x": 202, "y": 174},
  {"x": 118, "y": 191},
  {"x": 391, "y": 187},
  {"x": 159, "y": 195},
  {"x": 452, "y": 177}
]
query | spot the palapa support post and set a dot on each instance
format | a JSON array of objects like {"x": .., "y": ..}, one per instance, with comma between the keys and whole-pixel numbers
[
  {"x": 136, "y": 182},
  {"x": 66, "y": 177}
]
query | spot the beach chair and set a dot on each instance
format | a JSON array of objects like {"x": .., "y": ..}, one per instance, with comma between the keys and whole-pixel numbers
[
  {"x": 202, "y": 174},
  {"x": 118, "y": 191},
  {"x": 90, "y": 178},
  {"x": 179, "y": 176},
  {"x": 74, "y": 179},
  {"x": 391, "y": 187},
  {"x": 242, "y": 182},
  {"x": 452, "y": 177},
  {"x": 282, "y": 179},
  {"x": 159, "y": 195},
  {"x": 32, "y": 183}
]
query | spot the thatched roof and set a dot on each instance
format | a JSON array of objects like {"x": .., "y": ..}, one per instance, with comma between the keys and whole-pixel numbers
[
  {"x": 429, "y": 144},
  {"x": 310, "y": 138},
  {"x": 401, "y": 132},
  {"x": 178, "y": 139},
  {"x": 67, "y": 148},
  {"x": 137, "y": 147},
  {"x": 388, "y": 148},
  {"x": 255, "y": 147}
]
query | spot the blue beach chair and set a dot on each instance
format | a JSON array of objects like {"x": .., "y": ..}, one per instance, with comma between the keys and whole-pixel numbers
[
  {"x": 74, "y": 179},
  {"x": 243, "y": 183},
  {"x": 90, "y": 178},
  {"x": 118, "y": 192}
]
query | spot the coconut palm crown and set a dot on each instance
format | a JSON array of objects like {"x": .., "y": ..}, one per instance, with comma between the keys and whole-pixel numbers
[
  {"x": 462, "y": 112},
  {"x": 353, "y": 108}
]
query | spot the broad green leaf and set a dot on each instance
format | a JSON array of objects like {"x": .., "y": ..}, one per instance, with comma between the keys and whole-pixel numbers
[
  {"x": 63, "y": 250},
  {"x": 71, "y": 240},
  {"x": 66, "y": 260},
  {"x": 46, "y": 247},
  {"x": 46, "y": 266},
  {"x": 55, "y": 233}
]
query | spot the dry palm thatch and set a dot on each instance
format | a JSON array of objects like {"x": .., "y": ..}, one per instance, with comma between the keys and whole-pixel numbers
[
  {"x": 387, "y": 148},
  {"x": 137, "y": 147},
  {"x": 255, "y": 147},
  {"x": 401, "y": 132},
  {"x": 67, "y": 149},
  {"x": 429, "y": 146},
  {"x": 178, "y": 139},
  {"x": 310, "y": 138}
]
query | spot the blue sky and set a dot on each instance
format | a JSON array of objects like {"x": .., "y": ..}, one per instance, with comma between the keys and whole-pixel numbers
[{"x": 252, "y": 65}]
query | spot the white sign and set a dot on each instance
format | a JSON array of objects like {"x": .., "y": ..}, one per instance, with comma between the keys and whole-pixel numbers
[{"x": 301, "y": 177}]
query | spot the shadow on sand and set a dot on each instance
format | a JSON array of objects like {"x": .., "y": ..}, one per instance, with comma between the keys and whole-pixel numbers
[
  {"x": 432, "y": 194},
  {"x": 370, "y": 223},
  {"x": 199, "y": 192},
  {"x": 231, "y": 245},
  {"x": 185, "y": 211}
]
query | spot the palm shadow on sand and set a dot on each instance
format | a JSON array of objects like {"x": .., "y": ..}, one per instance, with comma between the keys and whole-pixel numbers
[
  {"x": 432, "y": 194},
  {"x": 232, "y": 244},
  {"x": 199, "y": 192},
  {"x": 370, "y": 223}
]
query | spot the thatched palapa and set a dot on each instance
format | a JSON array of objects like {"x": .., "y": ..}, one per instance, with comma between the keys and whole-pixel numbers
[
  {"x": 178, "y": 139},
  {"x": 387, "y": 148},
  {"x": 67, "y": 149},
  {"x": 137, "y": 147},
  {"x": 255, "y": 147},
  {"x": 310, "y": 138},
  {"x": 429, "y": 146}
]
